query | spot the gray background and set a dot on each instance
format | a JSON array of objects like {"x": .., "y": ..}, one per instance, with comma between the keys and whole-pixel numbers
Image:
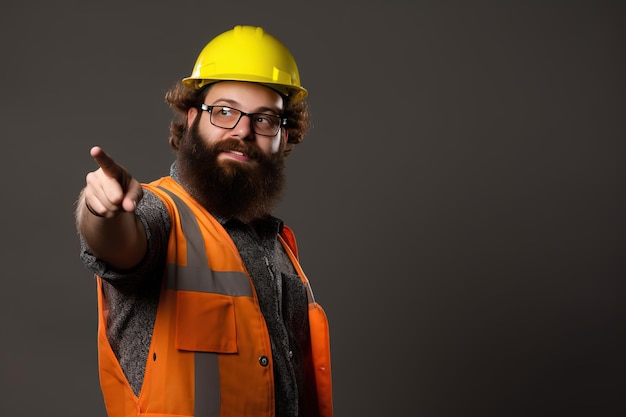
[{"x": 459, "y": 202}]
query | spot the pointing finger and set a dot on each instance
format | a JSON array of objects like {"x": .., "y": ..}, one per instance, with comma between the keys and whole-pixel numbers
[{"x": 108, "y": 165}]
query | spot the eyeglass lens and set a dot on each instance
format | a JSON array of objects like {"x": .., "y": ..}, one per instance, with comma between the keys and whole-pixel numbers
[{"x": 227, "y": 118}]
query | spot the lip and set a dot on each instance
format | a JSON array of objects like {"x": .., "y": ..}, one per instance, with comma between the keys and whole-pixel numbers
[{"x": 236, "y": 155}]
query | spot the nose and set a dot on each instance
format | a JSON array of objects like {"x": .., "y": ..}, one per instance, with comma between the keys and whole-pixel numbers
[{"x": 243, "y": 128}]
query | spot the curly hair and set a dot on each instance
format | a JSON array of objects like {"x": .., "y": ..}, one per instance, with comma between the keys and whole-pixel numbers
[{"x": 181, "y": 98}]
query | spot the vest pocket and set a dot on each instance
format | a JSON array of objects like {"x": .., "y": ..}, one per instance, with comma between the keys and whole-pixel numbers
[{"x": 205, "y": 322}]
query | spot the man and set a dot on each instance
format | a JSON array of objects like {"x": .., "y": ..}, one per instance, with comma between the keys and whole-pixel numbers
[{"x": 203, "y": 307}]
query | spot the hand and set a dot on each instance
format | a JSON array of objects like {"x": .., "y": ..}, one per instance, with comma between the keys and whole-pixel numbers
[{"x": 110, "y": 190}]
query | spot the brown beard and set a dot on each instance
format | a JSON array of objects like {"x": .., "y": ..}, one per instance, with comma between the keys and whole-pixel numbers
[{"x": 230, "y": 189}]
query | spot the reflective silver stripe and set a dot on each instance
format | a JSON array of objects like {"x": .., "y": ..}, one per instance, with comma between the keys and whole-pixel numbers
[
  {"x": 198, "y": 275},
  {"x": 207, "y": 385},
  {"x": 307, "y": 284},
  {"x": 193, "y": 278},
  {"x": 309, "y": 293}
]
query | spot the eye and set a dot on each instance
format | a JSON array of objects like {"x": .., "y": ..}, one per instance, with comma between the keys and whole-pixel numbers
[
  {"x": 225, "y": 111},
  {"x": 266, "y": 119},
  {"x": 263, "y": 119}
]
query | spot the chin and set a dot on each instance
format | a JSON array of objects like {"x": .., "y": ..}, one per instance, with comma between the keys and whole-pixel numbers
[{"x": 231, "y": 168}]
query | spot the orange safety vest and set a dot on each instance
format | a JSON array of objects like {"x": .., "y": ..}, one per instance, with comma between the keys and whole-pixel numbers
[{"x": 210, "y": 354}]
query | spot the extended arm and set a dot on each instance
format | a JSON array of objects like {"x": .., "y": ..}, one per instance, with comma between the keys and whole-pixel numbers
[{"x": 105, "y": 214}]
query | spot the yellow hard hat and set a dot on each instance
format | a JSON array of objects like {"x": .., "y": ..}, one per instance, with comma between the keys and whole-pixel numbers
[{"x": 248, "y": 53}]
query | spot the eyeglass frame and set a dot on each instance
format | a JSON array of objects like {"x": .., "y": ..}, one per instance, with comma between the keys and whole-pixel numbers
[{"x": 282, "y": 121}]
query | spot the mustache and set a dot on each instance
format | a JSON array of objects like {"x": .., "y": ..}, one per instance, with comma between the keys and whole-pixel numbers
[{"x": 249, "y": 149}]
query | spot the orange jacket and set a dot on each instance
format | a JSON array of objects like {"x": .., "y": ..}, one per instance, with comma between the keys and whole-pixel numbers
[{"x": 210, "y": 353}]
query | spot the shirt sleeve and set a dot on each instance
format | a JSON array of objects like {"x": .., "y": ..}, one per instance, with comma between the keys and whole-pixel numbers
[{"x": 154, "y": 215}]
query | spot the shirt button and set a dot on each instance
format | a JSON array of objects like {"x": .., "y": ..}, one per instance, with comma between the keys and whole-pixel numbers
[
  {"x": 264, "y": 361},
  {"x": 290, "y": 354}
]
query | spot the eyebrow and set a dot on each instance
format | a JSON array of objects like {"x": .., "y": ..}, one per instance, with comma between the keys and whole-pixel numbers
[{"x": 234, "y": 104}]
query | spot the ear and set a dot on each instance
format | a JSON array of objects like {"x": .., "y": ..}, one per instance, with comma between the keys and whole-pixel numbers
[{"x": 192, "y": 113}]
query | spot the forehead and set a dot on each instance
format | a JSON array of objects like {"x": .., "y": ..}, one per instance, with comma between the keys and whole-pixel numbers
[{"x": 245, "y": 94}]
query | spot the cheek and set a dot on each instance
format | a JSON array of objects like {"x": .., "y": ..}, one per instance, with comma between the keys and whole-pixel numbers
[
  {"x": 208, "y": 133},
  {"x": 275, "y": 144}
]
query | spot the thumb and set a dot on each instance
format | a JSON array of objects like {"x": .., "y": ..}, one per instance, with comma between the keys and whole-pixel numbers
[{"x": 133, "y": 195}]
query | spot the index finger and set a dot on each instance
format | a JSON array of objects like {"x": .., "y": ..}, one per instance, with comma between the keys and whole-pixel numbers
[{"x": 104, "y": 161}]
